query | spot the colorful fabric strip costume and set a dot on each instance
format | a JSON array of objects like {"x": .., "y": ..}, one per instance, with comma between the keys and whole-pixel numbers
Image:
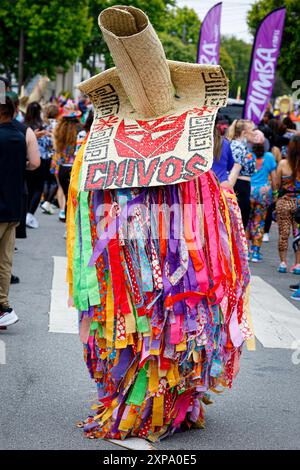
[{"x": 158, "y": 272}]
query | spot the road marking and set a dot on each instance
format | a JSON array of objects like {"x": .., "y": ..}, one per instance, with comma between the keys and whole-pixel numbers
[
  {"x": 133, "y": 443},
  {"x": 62, "y": 319},
  {"x": 276, "y": 321}
]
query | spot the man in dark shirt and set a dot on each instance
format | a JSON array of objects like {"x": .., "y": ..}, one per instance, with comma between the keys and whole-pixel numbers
[{"x": 13, "y": 151}]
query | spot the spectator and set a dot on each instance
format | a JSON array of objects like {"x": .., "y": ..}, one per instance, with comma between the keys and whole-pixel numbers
[
  {"x": 65, "y": 142},
  {"x": 240, "y": 134},
  {"x": 288, "y": 178},
  {"x": 13, "y": 165},
  {"x": 261, "y": 196},
  {"x": 35, "y": 179}
]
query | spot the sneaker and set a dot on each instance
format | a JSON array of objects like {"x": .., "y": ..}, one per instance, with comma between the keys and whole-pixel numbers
[
  {"x": 266, "y": 238},
  {"x": 31, "y": 221},
  {"x": 256, "y": 257},
  {"x": 47, "y": 208},
  {"x": 282, "y": 267},
  {"x": 14, "y": 279},
  {"x": 294, "y": 287},
  {"x": 8, "y": 317},
  {"x": 295, "y": 269},
  {"x": 296, "y": 295},
  {"x": 62, "y": 216}
]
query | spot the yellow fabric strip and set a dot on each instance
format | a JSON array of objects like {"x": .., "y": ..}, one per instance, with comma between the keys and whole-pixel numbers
[
  {"x": 250, "y": 343},
  {"x": 153, "y": 377},
  {"x": 109, "y": 314},
  {"x": 121, "y": 343},
  {"x": 158, "y": 411},
  {"x": 227, "y": 223},
  {"x": 71, "y": 210},
  {"x": 181, "y": 346},
  {"x": 127, "y": 424},
  {"x": 171, "y": 377}
]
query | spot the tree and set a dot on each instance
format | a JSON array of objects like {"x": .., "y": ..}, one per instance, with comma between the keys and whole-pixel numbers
[
  {"x": 239, "y": 53},
  {"x": 229, "y": 67},
  {"x": 184, "y": 24},
  {"x": 54, "y": 34},
  {"x": 288, "y": 63},
  {"x": 175, "y": 49}
]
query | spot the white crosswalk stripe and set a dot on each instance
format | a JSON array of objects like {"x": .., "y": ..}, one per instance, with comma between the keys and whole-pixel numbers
[
  {"x": 62, "y": 319},
  {"x": 276, "y": 320}
]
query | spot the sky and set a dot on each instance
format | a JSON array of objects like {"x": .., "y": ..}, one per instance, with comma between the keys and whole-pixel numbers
[{"x": 234, "y": 13}]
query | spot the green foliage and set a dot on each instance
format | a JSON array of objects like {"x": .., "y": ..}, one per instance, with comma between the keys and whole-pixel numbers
[
  {"x": 288, "y": 63},
  {"x": 183, "y": 23},
  {"x": 239, "y": 53},
  {"x": 54, "y": 33},
  {"x": 175, "y": 49}
]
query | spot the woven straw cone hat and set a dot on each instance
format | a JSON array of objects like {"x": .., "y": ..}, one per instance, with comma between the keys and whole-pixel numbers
[{"x": 140, "y": 59}]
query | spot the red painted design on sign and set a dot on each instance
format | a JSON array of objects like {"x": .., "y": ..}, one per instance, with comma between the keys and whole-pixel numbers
[
  {"x": 104, "y": 123},
  {"x": 200, "y": 111},
  {"x": 147, "y": 139}
]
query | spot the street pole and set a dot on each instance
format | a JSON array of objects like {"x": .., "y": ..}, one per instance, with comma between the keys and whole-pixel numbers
[{"x": 21, "y": 59}]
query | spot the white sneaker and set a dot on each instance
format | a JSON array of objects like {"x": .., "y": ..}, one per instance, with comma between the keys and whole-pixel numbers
[
  {"x": 8, "y": 318},
  {"x": 62, "y": 216},
  {"x": 47, "y": 208},
  {"x": 31, "y": 221},
  {"x": 266, "y": 238}
]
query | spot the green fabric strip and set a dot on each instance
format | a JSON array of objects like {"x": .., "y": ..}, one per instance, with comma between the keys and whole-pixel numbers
[
  {"x": 138, "y": 392},
  {"x": 76, "y": 265},
  {"x": 89, "y": 274},
  {"x": 142, "y": 323}
]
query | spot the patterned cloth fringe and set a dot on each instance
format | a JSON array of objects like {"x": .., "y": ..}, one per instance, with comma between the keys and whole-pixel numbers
[{"x": 161, "y": 295}]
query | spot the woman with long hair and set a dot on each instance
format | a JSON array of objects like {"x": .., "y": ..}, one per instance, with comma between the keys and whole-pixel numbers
[
  {"x": 35, "y": 179},
  {"x": 288, "y": 177},
  {"x": 65, "y": 141},
  {"x": 240, "y": 134},
  {"x": 51, "y": 113}
]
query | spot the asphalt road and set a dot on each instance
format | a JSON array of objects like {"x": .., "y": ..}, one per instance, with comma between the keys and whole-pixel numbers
[{"x": 45, "y": 388}]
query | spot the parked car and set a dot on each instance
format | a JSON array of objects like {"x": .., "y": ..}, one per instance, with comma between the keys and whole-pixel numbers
[{"x": 233, "y": 110}]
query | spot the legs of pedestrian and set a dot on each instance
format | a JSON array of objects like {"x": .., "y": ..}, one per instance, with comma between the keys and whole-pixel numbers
[
  {"x": 285, "y": 208},
  {"x": 268, "y": 222},
  {"x": 35, "y": 184},
  {"x": 64, "y": 176},
  {"x": 7, "y": 246},
  {"x": 256, "y": 224},
  {"x": 242, "y": 189}
]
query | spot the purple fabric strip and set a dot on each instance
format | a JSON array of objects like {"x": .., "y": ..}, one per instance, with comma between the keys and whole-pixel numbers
[
  {"x": 114, "y": 226},
  {"x": 119, "y": 370}
]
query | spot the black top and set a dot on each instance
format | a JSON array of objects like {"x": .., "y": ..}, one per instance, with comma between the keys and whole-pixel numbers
[
  {"x": 12, "y": 172},
  {"x": 21, "y": 127}
]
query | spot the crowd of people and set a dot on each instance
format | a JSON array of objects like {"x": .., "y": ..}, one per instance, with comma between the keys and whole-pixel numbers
[
  {"x": 262, "y": 164},
  {"x": 37, "y": 150}
]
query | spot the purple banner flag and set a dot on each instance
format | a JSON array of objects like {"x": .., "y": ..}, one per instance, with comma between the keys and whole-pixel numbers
[
  {"x": 263, "y": 64},
  {"x": 209, "y": 37}
]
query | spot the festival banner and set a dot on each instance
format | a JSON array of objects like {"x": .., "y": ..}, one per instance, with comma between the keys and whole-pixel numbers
[
  {"x": 263, "y": 64},
  {"x": 209, "y": 37}
]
